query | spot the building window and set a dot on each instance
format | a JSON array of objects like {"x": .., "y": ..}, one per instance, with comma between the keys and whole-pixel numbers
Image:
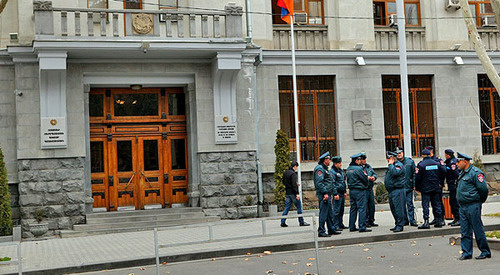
[
  {"x": 479, "y": 9},
  {"x": 311, "y": 10},
  {"x": 169, "y": 4},
  {"x": 489, "y": 106},
  {"x": 132, "y": 4},
  {"x": 97, "y": 4},
  {"x": 383, "y": 9},
  {"x": 316, "y": 114},
  {"x": 421, "y": 112}
]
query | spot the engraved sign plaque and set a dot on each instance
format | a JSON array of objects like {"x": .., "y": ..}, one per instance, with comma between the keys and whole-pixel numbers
[{"x": 54, "y": 132}]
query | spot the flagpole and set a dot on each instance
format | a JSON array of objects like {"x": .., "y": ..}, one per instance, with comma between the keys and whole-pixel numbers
[{"x": 296, "y": 108}]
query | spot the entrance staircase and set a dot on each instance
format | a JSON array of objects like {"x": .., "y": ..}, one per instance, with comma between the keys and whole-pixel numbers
[{"x": 130, "y": 221}]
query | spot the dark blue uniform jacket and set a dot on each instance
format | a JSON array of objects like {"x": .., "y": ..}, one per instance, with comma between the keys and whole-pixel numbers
[{"x": 429, "y": 175}]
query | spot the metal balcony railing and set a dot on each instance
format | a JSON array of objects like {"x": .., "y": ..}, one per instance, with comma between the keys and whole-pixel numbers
[{"x": 107, "y": 24}]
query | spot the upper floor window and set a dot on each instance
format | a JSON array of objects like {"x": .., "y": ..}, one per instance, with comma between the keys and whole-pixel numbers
[
  {"x": 97, "y": 4},
  {"x": 308, "y": 12},
  {"x": 383, "y": 9},
  {"x": 489, "y": 107},
  {"x": 480, "y": 9},
  {"x": 169, "y": 4},
  {"x": 132, "y": 4}
]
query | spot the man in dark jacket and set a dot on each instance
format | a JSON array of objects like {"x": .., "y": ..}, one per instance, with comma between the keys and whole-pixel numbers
[
  {"x": 370, "y": 198},
  {"x": 292, "y": 193},
  {"x": 472, "y": 192},
  {"x": 428, "y": 176},
  {"x": 357, "y": 180},
  {"x": 395, "y": 186},
  {"x": 323, "y": 184},
  {"x": 339, "y": 182},
  {"x": 452, "y": 174},
  {"x": 441, "y": 184},
  {"x": 409, "y": 177}
]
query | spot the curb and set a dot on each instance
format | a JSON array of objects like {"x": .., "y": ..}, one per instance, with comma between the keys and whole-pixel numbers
[{"x": 256, "y": 250}]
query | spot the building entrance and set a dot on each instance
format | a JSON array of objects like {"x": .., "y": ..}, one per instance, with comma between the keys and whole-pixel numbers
[{"x": 138, "y": 147}]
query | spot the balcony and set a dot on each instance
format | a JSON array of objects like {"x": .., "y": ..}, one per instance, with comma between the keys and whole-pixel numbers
[
  {"x": 386, "y": 39},
  {"x": 80, "y": 24},
  {"x": 306, "y": 37},
  {"x": 491, "y": 39}
]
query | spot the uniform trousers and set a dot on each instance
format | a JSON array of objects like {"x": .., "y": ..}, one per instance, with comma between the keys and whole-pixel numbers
[
  {"x": 470, "y": 221},
  {"x": 410, "y": 213},
  {"x": 397, "y": 203},
  {"x": 358, "y": 205},
  {"x": 435, "y": 200}
]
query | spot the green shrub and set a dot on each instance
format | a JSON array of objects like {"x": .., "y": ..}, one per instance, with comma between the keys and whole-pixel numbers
[
  {"x": 381, "y": 194},
  {"x": 5, "y": 210},
  {"x": 282, "y": 152}
]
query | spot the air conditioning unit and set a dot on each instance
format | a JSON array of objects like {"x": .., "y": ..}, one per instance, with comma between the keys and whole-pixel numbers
[
  {"x": 301, "y": 18},
  {"x": 452, "y": 5},
  {"x": 393, "y": 20},
  {"x": 489, "y": 21}
]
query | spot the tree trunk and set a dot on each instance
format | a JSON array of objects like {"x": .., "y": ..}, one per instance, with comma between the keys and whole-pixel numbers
[
  {"x": 478, "y": 43},
  {"x": 496, "y": 8}
]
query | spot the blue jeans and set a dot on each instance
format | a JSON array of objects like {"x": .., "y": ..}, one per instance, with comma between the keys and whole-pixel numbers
[
  {"x": 434, "y": 198},
  {"x": 470, "y": 220},
  {"x": 410, "y": 215},
  {"x": 358, "y": 204},
  {"x": 370, "y": 206},
  {"x": 325, "y": 215},
  {"x": 397, "y": 202},
  {"x": 288, "y": 205},
  {"x": 338, "y": 211}
]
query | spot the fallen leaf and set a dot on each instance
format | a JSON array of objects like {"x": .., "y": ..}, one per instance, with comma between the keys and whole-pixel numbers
[
  {"x": 382, "y": 256},
  {"x": 284, "y": 262},
  {"x": 246, "y": 259},
  {"x": 248, "y": 253},
  {"x": 341, "y": 251},
  {"x": 331, "y": 262},
  {"x": 361, "y": 244},
  {"x": 131, "y": 274},
  {"x": 294, "y": 263},
  {"x": 453, "y": 243},
  {"x": 416, "y": 254},
  {"x": 413, "y": 244},
  {"x": 267, "y": 252},
  {"x": 165, "y": 263},
  {"x": 269, "y": 272},
  {"x": 37, "y": 243},
  {"x": 432, "y": 237},
  {"x": 213, "y": 259},
  {"x": 338, "y": 271},
  {"x": 366, "y": 249},
  {"x": 309, "y": 264},
  {"x": 312, "y": 259},
  {"x": 430, "y": 244},
  {"x": 460, "y": 252},
  {"x": 142, "y": 268},
  {"x": 391, "y": 244},
  {"x": 307, "y": 273},
  {"x": 369, "y": 258},
  {"x": 381, "y": 210},
  {"x": 260, "y": 256}
]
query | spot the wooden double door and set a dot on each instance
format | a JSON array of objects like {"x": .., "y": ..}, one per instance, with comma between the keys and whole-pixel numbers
[{"x": 137, "y": 161}]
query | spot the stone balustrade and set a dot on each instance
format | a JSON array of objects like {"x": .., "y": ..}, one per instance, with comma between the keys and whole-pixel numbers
[
  {"x": 306, "y": 37},
  {"x": 386, "y": 39},
  {"x": 106, "y": 24},
  {"x": 491, "y": 39}
]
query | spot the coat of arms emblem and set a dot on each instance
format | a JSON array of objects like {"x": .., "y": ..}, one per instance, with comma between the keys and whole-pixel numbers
[{"x": 142, "y": 23}]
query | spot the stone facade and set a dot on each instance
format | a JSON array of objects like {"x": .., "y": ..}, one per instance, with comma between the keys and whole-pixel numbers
[
  {"x": 226, "y": 179},
  {"x": 56, "y": 186}
]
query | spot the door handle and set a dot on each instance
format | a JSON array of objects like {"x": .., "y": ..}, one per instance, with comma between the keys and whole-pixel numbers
[{"x": 165, "y": 178}]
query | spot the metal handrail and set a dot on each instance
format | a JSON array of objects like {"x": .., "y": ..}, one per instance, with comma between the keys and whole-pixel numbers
[
  {"x": 264, "y": 233},
  {"x": 18, "y": 261}
]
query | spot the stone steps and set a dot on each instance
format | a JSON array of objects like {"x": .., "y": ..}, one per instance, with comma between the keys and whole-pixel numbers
[{"x": 131, "y": 221}]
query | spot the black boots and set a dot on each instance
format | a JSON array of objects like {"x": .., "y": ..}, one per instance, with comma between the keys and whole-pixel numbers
[
  {"x": 425, "y": 225},
  {"x": 455, "y": 223},
  {"x": 439, "y": 223}
]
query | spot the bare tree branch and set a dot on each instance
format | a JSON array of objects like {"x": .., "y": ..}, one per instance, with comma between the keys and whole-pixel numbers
[
  {"x": 479, "y": 46},
  {"x": 3, "y": 3},
  {"x": 496, "y": 9}
]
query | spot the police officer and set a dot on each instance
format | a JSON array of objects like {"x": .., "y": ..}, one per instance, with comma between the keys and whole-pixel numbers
[
  {"x": 428, "y": 176},
  {"x": 395, "y": 186},
  {"x": 452, "y": 174},
  {"x": 441, "y": 184},
  {"x": 409, "y": 177},
  {"x": 292, "y": 193},
  {"x": 370, "y": 198},
  {"x": 338, "y": 205},
  {"x": 357, "y": 180},
  {"x": 323, "y": 184},
  {"x": 471, "y": 193}
]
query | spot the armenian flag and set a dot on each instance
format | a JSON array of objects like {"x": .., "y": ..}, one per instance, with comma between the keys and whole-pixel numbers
[{"x": 286, "y": 9}]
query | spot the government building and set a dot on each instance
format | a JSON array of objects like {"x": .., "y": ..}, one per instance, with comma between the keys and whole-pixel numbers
[{"x": 114, "y": 105}]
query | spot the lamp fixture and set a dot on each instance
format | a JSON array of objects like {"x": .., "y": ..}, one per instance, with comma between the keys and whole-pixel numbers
[
  {"x": 135, "y": 87},
  {"x": 455, "y": 47},
  {"x": 360, "y": 60},
  {"x": 145, "y": 47},
  {"x": 358, "y": 46},
  {"x": 458, "y": 60}
]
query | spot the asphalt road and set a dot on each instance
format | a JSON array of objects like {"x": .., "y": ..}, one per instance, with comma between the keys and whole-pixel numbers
[{"x": 428, "y": 256}]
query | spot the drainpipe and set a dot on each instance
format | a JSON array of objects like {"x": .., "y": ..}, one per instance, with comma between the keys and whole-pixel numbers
[
  {"x": 257, "y": 140},
  {"x": 249, "y": 21}
]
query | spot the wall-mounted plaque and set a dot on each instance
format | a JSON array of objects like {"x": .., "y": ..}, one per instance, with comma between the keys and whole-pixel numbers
[
  {"x": 225, "y": 131},
  {"x": 362, "y": 124},
  {"x": 54, "y": 132}
]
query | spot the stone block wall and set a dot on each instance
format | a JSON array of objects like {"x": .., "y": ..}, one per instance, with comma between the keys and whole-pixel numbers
[
  {"x": 226, "y": 179},
  {"x": 56, "y": 186}
]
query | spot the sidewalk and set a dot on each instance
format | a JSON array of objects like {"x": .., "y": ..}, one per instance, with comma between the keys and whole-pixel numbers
[{"x": 56, "y": 256}]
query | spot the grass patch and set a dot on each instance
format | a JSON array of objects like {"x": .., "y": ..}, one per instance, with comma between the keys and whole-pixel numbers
[
  {"x": 5, "y": 259},
  {"x": 493, "y": 234},
  {"x": 493, "y": 215}
]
